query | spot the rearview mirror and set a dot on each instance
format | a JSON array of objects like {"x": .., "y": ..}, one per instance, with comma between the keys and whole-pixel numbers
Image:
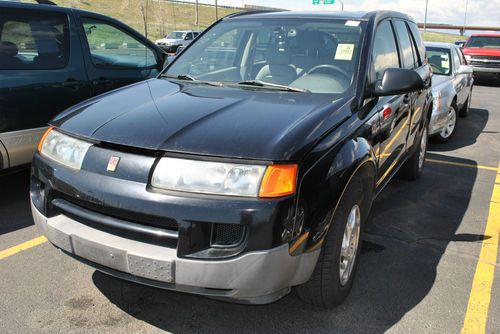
[{"x": 396, "y": 81}]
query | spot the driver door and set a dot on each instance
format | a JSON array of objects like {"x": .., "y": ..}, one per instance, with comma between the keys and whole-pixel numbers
[{"x": 116, "y": 56}]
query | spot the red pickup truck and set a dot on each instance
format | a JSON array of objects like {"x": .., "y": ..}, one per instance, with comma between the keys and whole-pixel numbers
[{"x": 482, "y": 52}]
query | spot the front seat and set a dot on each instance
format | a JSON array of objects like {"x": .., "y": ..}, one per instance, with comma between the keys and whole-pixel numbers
[
  {"x": 278, "y": 69},
  {"x": 8, "y": 54}
]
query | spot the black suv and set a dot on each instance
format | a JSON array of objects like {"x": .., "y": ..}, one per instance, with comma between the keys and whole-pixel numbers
[
  {"x": 249, "y": 165},
  {"x": 52, "y": 58}
]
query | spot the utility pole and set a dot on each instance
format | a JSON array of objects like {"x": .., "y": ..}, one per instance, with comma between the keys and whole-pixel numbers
[
  {"x": 425, "y": 18},
  {"x": 216, "y": 11},
  {"x": 196, "y": 14},
  {"x": 465, "y": 16}
]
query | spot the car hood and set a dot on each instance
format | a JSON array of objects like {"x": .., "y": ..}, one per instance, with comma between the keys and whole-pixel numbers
[
  {"x": 167, "y": 40},
  {"x": 198, "y": 119},
  {"x": 481, "y": 51}
]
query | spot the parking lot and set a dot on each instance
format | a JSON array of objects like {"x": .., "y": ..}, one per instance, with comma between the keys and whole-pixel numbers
[{"x": 417, "y": 270}]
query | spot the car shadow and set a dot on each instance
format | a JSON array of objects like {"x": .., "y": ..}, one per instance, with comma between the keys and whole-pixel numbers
[
  {"x": 467, "y": 131},
  {"x": 408, "y": 231},
  {"x": 15, "y": 212}
]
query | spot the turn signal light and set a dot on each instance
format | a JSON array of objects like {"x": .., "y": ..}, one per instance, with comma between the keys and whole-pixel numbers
[
  {"x": 40, "y": 144},
  {"x": 279, "y": 180}
]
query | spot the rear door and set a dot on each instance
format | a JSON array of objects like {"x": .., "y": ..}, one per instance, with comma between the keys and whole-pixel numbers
[
  {"x": 394, "y": 111},
  {"x": 421, "y": 98},
  {"x": 115, "y": 55},
  {"x": 41, "y": 74}
]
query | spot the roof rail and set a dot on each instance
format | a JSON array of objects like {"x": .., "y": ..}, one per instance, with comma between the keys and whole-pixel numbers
[
  {"x": 46, "y": 2},
  {"x": 250, "y": 12}
]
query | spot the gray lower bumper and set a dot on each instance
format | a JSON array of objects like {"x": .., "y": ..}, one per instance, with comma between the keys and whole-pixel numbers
[
  {"x": 478, "y": 69},
  {"x": 257, "y": 277}
]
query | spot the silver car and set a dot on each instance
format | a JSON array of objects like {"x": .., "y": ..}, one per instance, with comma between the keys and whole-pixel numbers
[{"x": 452, "y": 84}]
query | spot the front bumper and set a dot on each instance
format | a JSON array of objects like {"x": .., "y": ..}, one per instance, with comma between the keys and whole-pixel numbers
[
  {"x": 256, "y": 277},
  {"x": 481, "y": 72}
]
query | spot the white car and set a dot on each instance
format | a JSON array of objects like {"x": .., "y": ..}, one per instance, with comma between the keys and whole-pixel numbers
[{"x": 177, "y": 38}]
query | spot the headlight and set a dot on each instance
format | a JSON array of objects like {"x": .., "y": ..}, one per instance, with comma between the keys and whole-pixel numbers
[
  {"x": 225, "y": 178},
  {"x": 64, "y": 149}
]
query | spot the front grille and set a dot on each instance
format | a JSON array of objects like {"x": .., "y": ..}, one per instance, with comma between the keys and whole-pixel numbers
[
  {"x": 487, "y": 57},
  {"x": 227, "y": 235},
  {"x": 116, "y": 226}
]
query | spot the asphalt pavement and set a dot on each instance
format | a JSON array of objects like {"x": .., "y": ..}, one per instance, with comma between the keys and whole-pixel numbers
[{"x": 417, "y": 272}]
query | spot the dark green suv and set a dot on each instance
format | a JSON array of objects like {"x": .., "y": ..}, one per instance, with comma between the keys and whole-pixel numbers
[{"x": 52, "y": 58}]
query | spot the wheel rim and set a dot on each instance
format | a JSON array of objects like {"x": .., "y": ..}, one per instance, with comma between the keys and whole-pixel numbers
[
  {"x": 451, "y": 122},
  {"x": 350, "y": 243},
  {"x": 423, "y": 150}
]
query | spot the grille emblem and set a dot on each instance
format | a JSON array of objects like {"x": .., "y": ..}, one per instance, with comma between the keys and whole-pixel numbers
[{"x": 112, "y": 164}]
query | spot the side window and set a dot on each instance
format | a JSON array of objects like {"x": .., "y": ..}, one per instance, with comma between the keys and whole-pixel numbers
[
  {"x": 33, "y": 40},
  {"x": 418, "y": 41},
  {"x": 406, "y": 47},
  {"x": 385, "y": 52},
  {"x": 461, "y": 56},
  {"x": 189, "y": 36},
  {"x": 112, "y": 47}
]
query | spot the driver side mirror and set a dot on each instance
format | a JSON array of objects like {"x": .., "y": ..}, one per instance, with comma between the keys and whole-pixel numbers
[{"x": 396, "y": 81}]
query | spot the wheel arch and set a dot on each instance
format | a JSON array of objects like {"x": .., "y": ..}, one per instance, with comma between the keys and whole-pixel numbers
[{"x": 354, "y": 159}]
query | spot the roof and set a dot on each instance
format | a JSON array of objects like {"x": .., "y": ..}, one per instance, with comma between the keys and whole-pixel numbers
[
  {"x": 486, "y": 35},
  {"x": 440, "y": 45},
  {"x": 355, "y": 15}
]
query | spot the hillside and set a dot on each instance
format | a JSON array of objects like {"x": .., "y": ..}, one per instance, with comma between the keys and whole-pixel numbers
[{"x": 162, "y": 17}]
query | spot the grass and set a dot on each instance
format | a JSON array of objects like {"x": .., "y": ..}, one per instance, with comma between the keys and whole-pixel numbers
[
  {"x": 431, "y": 36},
  {"x": 162, "y": 16}
]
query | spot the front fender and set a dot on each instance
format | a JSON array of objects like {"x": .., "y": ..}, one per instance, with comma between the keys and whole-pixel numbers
[{"x": 322, "y": 186}]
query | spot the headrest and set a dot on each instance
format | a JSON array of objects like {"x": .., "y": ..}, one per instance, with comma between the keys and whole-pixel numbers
[
  {"x": 436, "y": 60},
  {"x": 277, "y": 56},
  {"x": 8, "y": 49}
]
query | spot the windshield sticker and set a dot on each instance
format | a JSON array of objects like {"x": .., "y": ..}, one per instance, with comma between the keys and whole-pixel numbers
[
  {"x": 344, "y": 52},
  {"x": 351, "y": 23}
]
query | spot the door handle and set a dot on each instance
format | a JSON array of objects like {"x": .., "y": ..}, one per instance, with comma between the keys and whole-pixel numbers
[
  {"x": 102, "y": 82},
  {"x": 72, "y": 83},
  {"x": 406, "y": 99}
]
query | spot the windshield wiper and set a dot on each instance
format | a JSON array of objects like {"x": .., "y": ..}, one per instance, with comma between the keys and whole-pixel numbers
[
  {"x": 259, "y": 83},
  {"x": 187, "y": 77}
]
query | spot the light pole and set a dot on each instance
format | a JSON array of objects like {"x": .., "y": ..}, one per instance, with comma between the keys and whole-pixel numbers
[
  {"x": 216, "y": 11},
  {"x": 425, "y": 17},
  {"x": 196, "y": 15},
  {"x": 465, "y": 16}
]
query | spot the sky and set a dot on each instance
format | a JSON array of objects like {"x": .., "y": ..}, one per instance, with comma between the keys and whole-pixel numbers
[{"x": 480, "y": 12}]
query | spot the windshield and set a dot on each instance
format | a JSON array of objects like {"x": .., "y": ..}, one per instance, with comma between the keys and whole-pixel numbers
[
  {"x": 176, "y": 35},
  {"x": 319, "y": 56},
  {"x": 440, "y": 60},
  {"x": 490, "y": 42}
]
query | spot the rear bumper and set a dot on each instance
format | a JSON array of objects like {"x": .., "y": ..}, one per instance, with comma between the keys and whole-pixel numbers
[{"x": 258, "y": 277}]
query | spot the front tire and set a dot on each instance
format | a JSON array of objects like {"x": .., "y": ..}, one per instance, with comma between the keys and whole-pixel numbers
[{"x": 334, "y": 273}]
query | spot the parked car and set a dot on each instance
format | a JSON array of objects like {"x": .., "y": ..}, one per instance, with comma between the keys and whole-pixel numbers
[
  {"x": 242, "y": 178},
  {"x": 177, "y": 39},
  {"x": 52, "y": 58},
  {"x": 482, "y": 52},
  {"x": 452, "y": 84}
]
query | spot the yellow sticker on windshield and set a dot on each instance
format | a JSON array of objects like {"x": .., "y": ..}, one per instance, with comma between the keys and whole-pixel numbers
[{"x": 344, "y": 52}]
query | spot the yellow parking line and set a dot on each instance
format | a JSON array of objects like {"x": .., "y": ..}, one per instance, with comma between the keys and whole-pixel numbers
[
  {"x": 479, "y": 300},
  {"x": 459, "y": 164},
  {"x": 24, "y": 246}
]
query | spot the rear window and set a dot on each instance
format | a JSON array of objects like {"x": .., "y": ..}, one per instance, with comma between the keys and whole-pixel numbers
[
  {"x": 489, "y": 42},
  {"x": 33, "y": 40}
]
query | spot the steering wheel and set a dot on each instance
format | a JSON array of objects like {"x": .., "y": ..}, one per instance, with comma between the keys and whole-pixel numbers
[{"x": 334, "y": 68}]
